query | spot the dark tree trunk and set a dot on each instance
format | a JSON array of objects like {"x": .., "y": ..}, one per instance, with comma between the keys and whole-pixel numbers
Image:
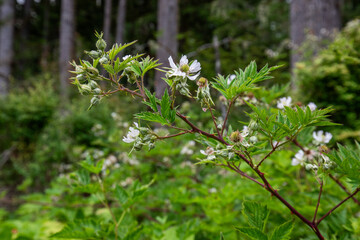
[
  {"x": 6, "y": 43},
  {"x": 24, "y": 33},
  {"x": 317, "y": 17},
  {"x": 45, "y": 44},
  {"x": 107, "y": 21},
  {"x": 167, "y": 17},
  {"x": 120, "y": 22},
  {"x": 67, "y": 28}
]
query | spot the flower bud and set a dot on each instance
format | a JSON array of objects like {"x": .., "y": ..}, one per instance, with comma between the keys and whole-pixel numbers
[
  {"x": 81, "y": 78},
  {"x": 93, "y": 84},
  {"x": 97, "y": 91},
  {"x": 85, "y": 89},
  {"x": 202, "y": 82},
  {"x": 253, "y": 139},
  {"x": 94, "y": 54},
  {"x": 93, "y": 70},
  {"x": 253, "y": 125},
  {"x": 101, "y": 44},
  {"x": 94, "y": 101},
  {"x": 103, "y": 60},
  {"x": 236, "y": 137}
]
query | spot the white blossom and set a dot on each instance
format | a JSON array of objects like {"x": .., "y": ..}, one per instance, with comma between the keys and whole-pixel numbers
[
  {"x": 209, "y": 152},
  {"x": 132, "y": 134},
  {"x": 312, "y": 106},
  {"x": 212, "y": 190},
  {"x": 321, "y": 138},
  {"x": 183, "y": 69},
  {"x": 299, "y": 158},
  {"x": 231, "y": 77},
  {"x": 284, "y": 102},
  {"x": 126, "y": 57}
]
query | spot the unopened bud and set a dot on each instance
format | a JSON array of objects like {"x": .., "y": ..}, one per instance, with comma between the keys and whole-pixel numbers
[
  {"x": 103, "y": 60},
  {"x": 93, "y": 70},
  {"x": 101, "y": 44},
  {"x": 94, "y": 54},
  {"x": 93, "y": 84},
  {"x": 202, "y": 82},
  {"x": 236, "y": 136},
  {"x": 81, "y": 78},
  {"x": 253, "y": 139},
  {"x": 97, "y": 91},
  {"x": 85, "y": 89}
]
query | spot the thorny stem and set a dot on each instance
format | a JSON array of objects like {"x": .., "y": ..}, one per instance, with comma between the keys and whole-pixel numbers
[
  {"x": 236, "y": 169},
  {"x": 338, "y": 205},
  {"x": 226, "y": 117},
  {"x": 318, "y": 202},
  {"x": 330, "y": 175},
  {"x": 214, "y": 120},
  {"x": 174, "y": 135}
]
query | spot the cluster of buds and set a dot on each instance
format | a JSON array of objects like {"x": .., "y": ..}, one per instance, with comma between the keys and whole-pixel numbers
[
  {"x": 203, "y": 93},
  {"x": 246, "y": 137},
  {"x": 212, "y": 154},
  {"x": 247, "y": 97},
  {"x": 315, "y": 159},
  {"x": 140, "y": 136}
]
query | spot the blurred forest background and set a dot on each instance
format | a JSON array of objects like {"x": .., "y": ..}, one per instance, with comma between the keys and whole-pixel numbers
[{"x": 44, "y": 125}]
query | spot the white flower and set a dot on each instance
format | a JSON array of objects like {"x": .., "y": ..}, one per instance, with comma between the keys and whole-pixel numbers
[
  {"x": 311, "y": 167},
  {"x": 132, "y": 134},
  {"x": 320, "y": 137},
  {"x": 209, "y": 152},
  {"x": 312, "y": 106},
  {"x": 299, "y": 158},
  {"x": 126, "y": 57},
  {"x": 184, "y": 70},
  {"x": 284, "y": 102},
  {"x": 231, "y": 77},
  {"x": 212, "y": 190}
]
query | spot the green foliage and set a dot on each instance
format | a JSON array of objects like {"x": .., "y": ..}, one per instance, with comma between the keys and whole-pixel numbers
[
  {"x": 257, "y": 215},
  {"x": 348, "y": 163},
  {"x": 335, "y": 71}
]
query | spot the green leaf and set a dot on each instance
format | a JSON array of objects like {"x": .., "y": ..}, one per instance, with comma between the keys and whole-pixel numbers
[
  {"x": 252, "y": 233},
  {"x": 256, "y": 213},
  {"x": 121, "y": 194},
  {"x": 87, "y": 164},
  {"x": 109, "y": 68},
  {"x": 283, "y": 231},
  {"x": 152, "y": 100},
  {"x": 165, "y": 105},
  {"x": 152, "y": 117},
  {"x": 81, "y": 229}
]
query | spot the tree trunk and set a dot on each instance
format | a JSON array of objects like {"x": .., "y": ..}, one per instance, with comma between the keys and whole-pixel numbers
[
  {"x": 6, "y": 43},
  {"x": 24, "y": 34},
  {"x": 45, "y": 45},
  {"x": 317, "y": 17},
  {"x": 120, "y": 22},
  {"x": 67, "y": 28},
  {"x": 107, "y": 21},
  {"x": 167, "y": 17}
]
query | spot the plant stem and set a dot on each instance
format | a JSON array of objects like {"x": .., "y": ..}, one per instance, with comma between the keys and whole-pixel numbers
[
  {"x": 318, "y": 202},
  {"x": 338, "y": 205},
  {"x": 213, "y": 118},
  {"x": 226, "y": 117},
  {"x": 344, "y": 188}
]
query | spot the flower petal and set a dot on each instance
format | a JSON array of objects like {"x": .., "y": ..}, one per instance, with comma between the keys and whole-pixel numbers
[
  {"x": 195, "y": 67},
  {"x": 183, "y": 60},
  {"x": 172, "y": 64},
  {"x": 193, "y": 77}
]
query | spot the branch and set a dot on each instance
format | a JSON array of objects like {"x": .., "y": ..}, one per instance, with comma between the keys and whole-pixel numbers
[
  {"x": 318, "y": 202},
  {"x": 214, "y": 120},
  {"x": 226, "y": 117},
  {"x": 174, "y": 135},
  {"x": 344, "y": 188},
  {"x": 236, "y": 169},
  {"x": 334, "y": 208}
]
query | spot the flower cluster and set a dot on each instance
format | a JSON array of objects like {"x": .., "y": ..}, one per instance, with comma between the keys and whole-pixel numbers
[
  {"x": 140, "y": 136},
  {"x": 313, "y": 159}
]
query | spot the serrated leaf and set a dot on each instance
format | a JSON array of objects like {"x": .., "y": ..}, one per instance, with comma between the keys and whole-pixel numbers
[
  {"x": 165, "y": 105},
  {"x": 152, "y": 100},
  {"x": 252, "y": 233},
  {"x": 81, "y": 229},
  {"x": 256, "y": 213},
  {"x": 152, "y": 117},
  {"x": 283, "y": 231},
  {"x": 109, "y": 68},
  {"x": 92, "y": 168},
  {"x": 121, "y": 194}
]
